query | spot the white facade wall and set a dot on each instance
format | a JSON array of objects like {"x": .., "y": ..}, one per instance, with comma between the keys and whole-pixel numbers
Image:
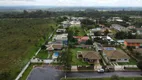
[{"x": 122, "y": 60}]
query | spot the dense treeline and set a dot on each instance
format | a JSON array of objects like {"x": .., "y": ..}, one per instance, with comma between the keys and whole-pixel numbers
[
  {"x": 100, "y": 16},
  {"x": 87, "y": 13},
  {"x": 26, "y": 14}
]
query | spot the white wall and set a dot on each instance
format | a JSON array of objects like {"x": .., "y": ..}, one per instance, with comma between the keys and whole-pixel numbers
[{"x": 122, "y": 60}]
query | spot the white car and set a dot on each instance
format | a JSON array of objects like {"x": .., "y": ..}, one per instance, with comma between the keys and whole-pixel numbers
[{"x": 101, "y": 71}]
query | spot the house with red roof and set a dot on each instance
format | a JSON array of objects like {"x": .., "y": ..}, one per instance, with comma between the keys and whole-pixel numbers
[{"x": 81, "y": 39}]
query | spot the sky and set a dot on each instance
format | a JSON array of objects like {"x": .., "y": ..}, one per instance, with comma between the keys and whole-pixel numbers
[{"x": 79, "y": 3}]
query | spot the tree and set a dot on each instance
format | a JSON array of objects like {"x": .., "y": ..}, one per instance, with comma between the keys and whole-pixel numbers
[
  {"x": 139, "y": 65},
  {"x": 86, "y": 23},
  {"x": 89, "y": 42},
  {"x": 114, "y": 77},
  {"x": 97, "y": 33},
  {"x": 106, "y": 32},
  {"x": 121, "y": 35},
  {"x": 5, "y": 75},
  {"x": 43, "y": 47},
  {"x": 70, "y": 37},
  {"x": 66, "y": 59}
]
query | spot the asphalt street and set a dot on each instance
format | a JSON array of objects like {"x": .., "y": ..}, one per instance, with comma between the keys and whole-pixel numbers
[
  {"x": 99, "y": 75},
  {"x": 46, "y": 73},
  {"x": 50, "y": 73}
]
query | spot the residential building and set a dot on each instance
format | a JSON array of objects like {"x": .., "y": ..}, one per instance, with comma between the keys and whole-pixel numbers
[
  {"x": 138, "y": 50},
  {"x": 65, "y": 24},
  {"x": 139, "y": 31},
  {"x": 97, "y": 30},
  {"x": 120, "y": 41},
  {"x": 81, "y": 39},
  {"x": 137, "y": 43},
  {"x": 119, "y": 27},
  {"x": 84, "y": 46},
  {"x": 61, "y": 37},
  {"x": 92, "y": 31},
  {"x": 89, "y": 56},
  {"x": 103, "y": 38},
  {"x": 118, "y": 19},
  {"x": 75, "y": 24},
  {"x": 52, "y": 47},
  {"x": 60, "y": 31},
  {"x": 131, "y": 27},
  {"x": 116, "y": 55}
]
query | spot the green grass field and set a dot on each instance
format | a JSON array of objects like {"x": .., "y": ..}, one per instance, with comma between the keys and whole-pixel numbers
[
  {"x": 20, "y": 39},
  {"x": 43, "y": 54},
  {"x": 78, "y": 31}
]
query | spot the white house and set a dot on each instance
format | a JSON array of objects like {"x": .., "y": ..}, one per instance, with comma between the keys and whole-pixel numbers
[
  {"x": 65, "y": 24},
  {"x": 119, "y": 27},
  {"x": 120, "y": 41},
  {"x": 75, "y": 24},
  {"x": 60, "y": 30},
  {"x": 139, "y": 31},
  {"x": 61, "y": 37},
  {"x": 118, "y": 19},
  {"x": 103, "y": 38}
]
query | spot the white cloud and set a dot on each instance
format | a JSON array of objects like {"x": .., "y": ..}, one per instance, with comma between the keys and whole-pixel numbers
[{"x": 74, "y": 2}]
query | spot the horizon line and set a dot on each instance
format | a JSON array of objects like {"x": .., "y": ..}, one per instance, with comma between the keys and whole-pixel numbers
[{"x": 71, "y": 6}]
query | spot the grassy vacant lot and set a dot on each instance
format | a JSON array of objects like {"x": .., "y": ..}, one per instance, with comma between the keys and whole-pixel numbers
[
  {"x": 122, "y": 78},
  {"x": 78, "y": 31},
  {"x": 43, "y": 54},
  {"x": 76, "y": 61},
  {"x": 20, "y": 39}
]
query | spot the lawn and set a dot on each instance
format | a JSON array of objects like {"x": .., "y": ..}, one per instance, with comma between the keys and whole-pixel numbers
[
  {"x": 121, "y": 78},
  {"x": 43, "y": 54},
  {"x": 20, "y": 39},
  {"x": 76, "y": 61}
]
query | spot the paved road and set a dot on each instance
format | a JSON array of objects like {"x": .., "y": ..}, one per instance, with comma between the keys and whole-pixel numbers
[
  {"x": 99, "y": 75},
  {"x": 46, "y": 73},
  {"x": 50, "y": 73}
]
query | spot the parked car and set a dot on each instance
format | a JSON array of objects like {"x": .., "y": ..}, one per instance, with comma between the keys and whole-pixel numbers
[{"x": 101, "y": 71}]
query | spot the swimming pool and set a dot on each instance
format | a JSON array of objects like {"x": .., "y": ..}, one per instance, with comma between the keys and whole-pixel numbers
[{"x": 55, "y": 55}]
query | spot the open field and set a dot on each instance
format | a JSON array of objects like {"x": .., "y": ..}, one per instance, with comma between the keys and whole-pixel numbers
[
  {"x": 43, "y": 54},
  {"x": 20, "y": 39},
  {"x": 78, "y": 31}
]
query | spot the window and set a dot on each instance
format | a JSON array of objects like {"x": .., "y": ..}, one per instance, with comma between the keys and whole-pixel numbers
[
  {"x": 125, "y": 59},
  {"x": 119, "y": 59}
]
